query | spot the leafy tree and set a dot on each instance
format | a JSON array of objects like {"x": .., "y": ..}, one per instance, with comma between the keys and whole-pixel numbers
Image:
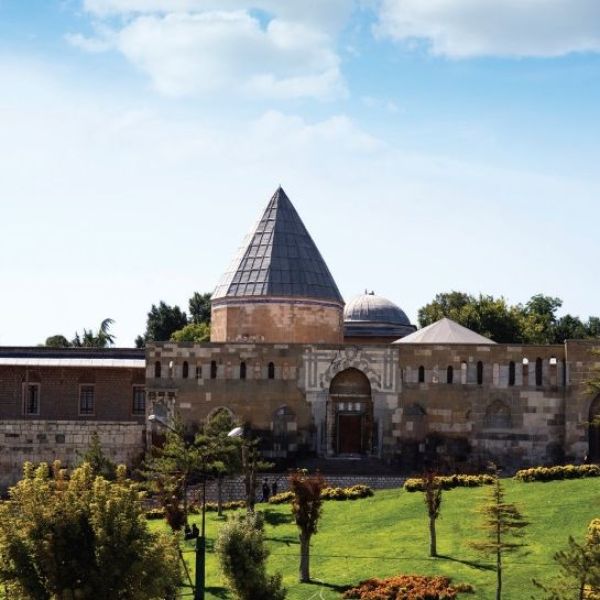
[
  {"x": 432, "y": 492},
  {"x": 163, "y": 320},
  {"x": 534, "y": 323},
  {"x": 192, "y": 332},
  {"x": 216, "y": 430},
  {"x": 90, "y": 339},
  {"x": 57, "y": 341},
  {"x": 98, "y": 461},
  {"x": 503, "y": 525},
  {"x": 199, "y": 306},
  {"x": 251, "y": 464},
  {"x": 579, "y": 564},
  {"x": 307, "y": 504},
  {"x": 80, "y": 536},
  {"x": 168, "y": 471},
  {"x": 243, "y": 555}
]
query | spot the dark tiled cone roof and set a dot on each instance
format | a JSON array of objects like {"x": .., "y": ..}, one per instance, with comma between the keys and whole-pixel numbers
[{"x": 278, "y": 258}]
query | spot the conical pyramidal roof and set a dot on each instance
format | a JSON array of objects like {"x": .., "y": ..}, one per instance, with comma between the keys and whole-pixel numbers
[
  {"x": 278, "y": 258},
  {"x": 445, "y": 331}
]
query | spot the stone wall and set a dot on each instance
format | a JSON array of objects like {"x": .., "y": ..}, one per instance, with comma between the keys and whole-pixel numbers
[
  {"x": 233, "y": 487},
  {"x": 277, "y": 321},
  {"x": 46, "y": 441}
]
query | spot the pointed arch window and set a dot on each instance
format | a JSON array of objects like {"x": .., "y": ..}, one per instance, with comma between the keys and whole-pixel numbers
[
  {"x": 185, "y": 371},
  {"x": 479, "y": 373},
  {"x": 213, "y": 369},
  {"x": 271, "y": 370},
  {"x": 421, "y": 374},
  {"x": 450, "y": 374},
  {"x": 538, "y": 371},
  {"x": 511, "y": 372},
  {"x": 242, "y": 370},
  {"x": 157, "y": 369}
]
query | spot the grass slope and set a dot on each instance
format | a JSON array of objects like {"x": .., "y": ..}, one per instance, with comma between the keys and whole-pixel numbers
[{"x": 387, "y": 535}]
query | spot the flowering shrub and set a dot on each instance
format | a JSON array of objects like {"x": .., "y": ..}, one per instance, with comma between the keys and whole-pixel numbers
[
  {"x": 406, "y": 587},
  {"x": 452, "y": 481},
  {"x": 350, "y": 493},
  {"x": 557, "y": 473}
]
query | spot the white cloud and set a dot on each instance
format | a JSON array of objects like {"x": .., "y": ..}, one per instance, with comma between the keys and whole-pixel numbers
[
  {"x": 513, "y": 28},
  {"x": 230, "y": 51},
  {"x": 199, "y": 47}
]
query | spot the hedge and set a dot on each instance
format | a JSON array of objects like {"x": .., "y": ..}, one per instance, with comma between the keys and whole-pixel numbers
[
  {"x": 407, "y": 587},
  {"x": 196, "y": 509},
  {"x": 557, "y": 473},
  {"x": 350, "y": 493},
  {"x": 451, "y": 481}
]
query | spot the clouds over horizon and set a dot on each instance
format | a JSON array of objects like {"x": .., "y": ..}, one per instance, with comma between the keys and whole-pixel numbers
[{"x": 511, "y": 28}]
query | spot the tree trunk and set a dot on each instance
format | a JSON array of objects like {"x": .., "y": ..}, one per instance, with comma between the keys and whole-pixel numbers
[
  {"x": 220, "y": 495},
  {"x": 432, "y": 538},
  {"x": 304, "y": 558},
  {"x": 498, "y": 565}
]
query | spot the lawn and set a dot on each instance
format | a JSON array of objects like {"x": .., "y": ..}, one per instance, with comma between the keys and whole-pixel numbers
[{"x": 387, "y": 535}]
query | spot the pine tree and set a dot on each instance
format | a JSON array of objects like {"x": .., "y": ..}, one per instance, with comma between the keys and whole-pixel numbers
[{"x": 503, "y": 525}]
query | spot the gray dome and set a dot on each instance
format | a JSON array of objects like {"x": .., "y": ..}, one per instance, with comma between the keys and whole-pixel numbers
[
  {"x": 374, "y": 309},
  {"x": 372, "y": 316}
]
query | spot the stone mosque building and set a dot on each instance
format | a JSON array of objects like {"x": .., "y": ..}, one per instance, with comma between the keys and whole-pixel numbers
[{"x": 309, "y": 374}]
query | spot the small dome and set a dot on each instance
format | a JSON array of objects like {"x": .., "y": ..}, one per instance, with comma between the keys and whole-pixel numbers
[
  {"x": 371, "y": 316},
  {"x": 370, "y": 308}
]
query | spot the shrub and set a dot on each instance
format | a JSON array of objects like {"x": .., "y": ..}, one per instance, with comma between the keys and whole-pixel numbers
[
  {"x": 449, "y": 482},
  {"x": 242, "y": 555},
  {"x": 354, "y": 492},
  {"x": 196, "y": 509},
  {"x": 557, "y": 473},
  {"x": 407, "y": 587}
]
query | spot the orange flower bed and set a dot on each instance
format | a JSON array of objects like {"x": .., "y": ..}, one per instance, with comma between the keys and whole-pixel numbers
[{"x": 406, "y": 587}]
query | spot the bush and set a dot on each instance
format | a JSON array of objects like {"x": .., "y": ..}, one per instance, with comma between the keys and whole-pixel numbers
[
  {"x": 452, "y": 481},
  {"x": 242, "y": 555},
  {"x": 557, "y": 473},
  {"x": 196, "y": 509},
  {"x": 407, "y": 587},
  {"x": 350, "y": 493}
]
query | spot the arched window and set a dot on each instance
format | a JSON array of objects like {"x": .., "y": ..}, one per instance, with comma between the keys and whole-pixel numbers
[
  {"x": 538, "y": 371},
  {"x": 157, "y": 369},
  {"x": 185, "y": 371},
  {"x": 242, "y": 370},
  {"x": 450, "y": 374},
  {"x": 479, "y": 373},
  {"x": 271, "y": 370},
  {"x": 421, "y": 374},
  {"x": 213, "y": 369},
  {"x": 497, "y": 416},
  {"x": 511, "y": 372}
]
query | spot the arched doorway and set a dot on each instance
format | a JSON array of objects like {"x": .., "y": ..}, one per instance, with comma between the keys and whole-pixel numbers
[
  {"x": 350, "y": 414},
  {"x": 284, "y": 431},
  {"x": 594, "y": 430}
]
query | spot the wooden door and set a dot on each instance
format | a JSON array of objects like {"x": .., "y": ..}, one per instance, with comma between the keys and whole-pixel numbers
[{"x": 350, "y": 434}]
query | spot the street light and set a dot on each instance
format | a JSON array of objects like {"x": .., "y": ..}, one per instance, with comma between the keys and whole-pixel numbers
[
  {"x": 249, "y": 474},
  {"x": 200, "y": 579}
]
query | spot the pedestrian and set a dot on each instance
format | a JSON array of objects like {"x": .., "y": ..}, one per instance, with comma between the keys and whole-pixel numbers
[
  {"x": 274, "y": 487},
  {"x": 265, "y": 491}
]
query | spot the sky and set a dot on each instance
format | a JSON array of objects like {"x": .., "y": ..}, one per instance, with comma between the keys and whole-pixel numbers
[{"x": 427, "y": 146}]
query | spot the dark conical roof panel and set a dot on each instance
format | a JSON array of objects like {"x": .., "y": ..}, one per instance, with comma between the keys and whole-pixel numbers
[{"x": 278, "y": 258}]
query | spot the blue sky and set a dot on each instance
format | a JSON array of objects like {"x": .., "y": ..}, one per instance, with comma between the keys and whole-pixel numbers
[{"x": 451, "y": 144}]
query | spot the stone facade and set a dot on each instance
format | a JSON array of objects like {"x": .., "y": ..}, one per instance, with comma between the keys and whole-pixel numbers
[{"x": 454, "y": 405}]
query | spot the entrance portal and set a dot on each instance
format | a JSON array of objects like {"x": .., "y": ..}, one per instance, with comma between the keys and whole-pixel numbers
[{"x": 350, "y": 414}]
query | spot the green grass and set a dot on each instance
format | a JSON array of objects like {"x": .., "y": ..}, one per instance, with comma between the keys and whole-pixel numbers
[{"x": 387, "y": 535}]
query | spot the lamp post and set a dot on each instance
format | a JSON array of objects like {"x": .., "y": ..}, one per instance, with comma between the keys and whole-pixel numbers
[
  {"x": 200, "y": 578},
  {"x": 249, "y": 483}
]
